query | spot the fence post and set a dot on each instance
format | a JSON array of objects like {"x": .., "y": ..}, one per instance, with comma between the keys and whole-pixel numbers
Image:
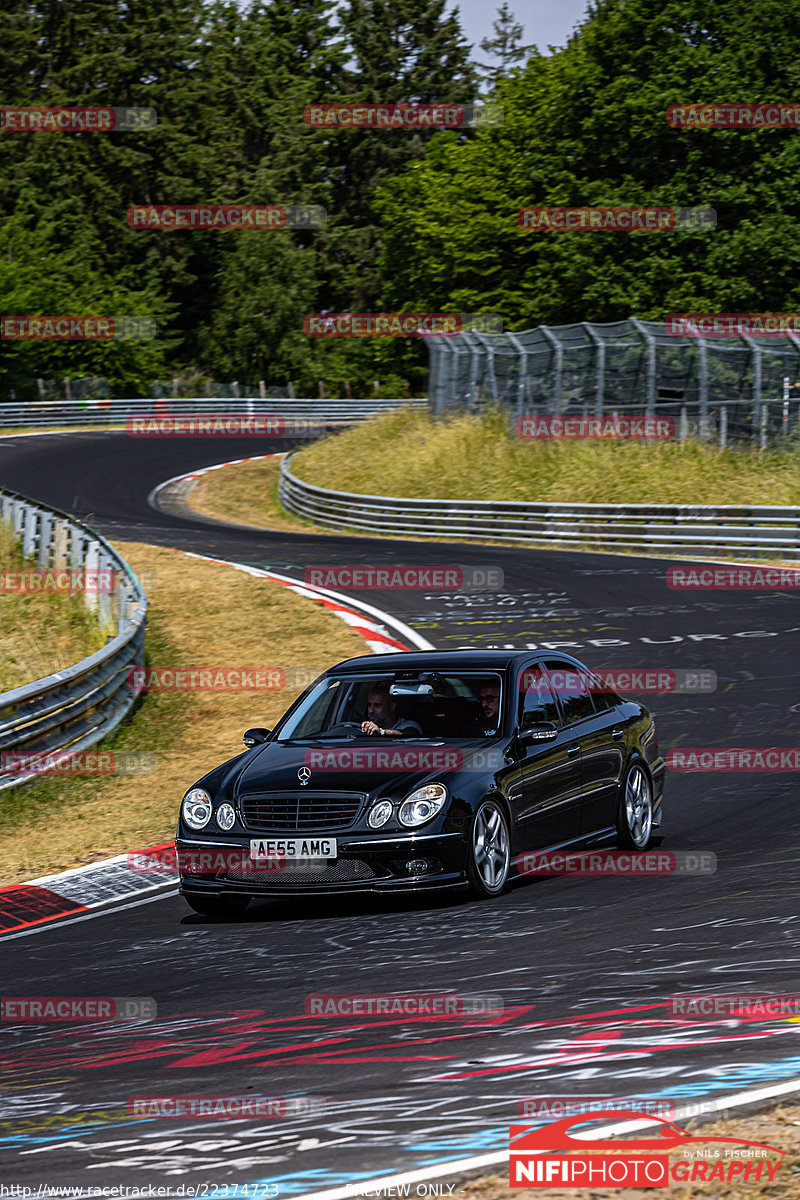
[
  {"x": 755, "y": 351},
  {"x": 723, "y": 426},
  {"x": 684, "y": 425},
  {"x": 43, "y": 557},
  {"x": 702, "y": 352},
  {"x": 484, "y": 341},
  {"x": 290, "y": 389},
  {"x": 262, "y": 389},
  {"x": 650, "y": 342},
  {"x": 92, "y": 565},
  {"x": 30, "y": 520},
  {"x": 600, "y": 378},
  {"x": 522, "y": 373},
  {"x": 555, "y": 399}
]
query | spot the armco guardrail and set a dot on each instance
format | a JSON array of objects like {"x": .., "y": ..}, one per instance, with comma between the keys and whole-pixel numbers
[
  {"x": 666, "y": 528},
  {"x": 76, "y": 707},
  {"x": 119, "y": 412}
]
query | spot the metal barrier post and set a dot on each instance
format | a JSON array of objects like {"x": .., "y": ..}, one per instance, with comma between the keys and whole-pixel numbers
[
  {"x": 555, "y": 399},
  {"x": 702, "y": 385},
  {"x": 600, "y": 354},
  {"x": 650, "y": 342},
  {"x": 522, "y": 373}
]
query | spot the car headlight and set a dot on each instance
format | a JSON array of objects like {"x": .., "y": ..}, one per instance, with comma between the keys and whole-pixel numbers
[
  {"x": 225, "y": 816},
  {"x": 197, "y": 808},
  {"x": 422, "y": 804},
  {"x": 380, "y": 813}
]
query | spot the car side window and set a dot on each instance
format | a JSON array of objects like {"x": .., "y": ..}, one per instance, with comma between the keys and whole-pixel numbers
[
  {"x": 602, "y": 695},
  {"x": 572, "y": 687},
  {"x": 537, "y": 703}
]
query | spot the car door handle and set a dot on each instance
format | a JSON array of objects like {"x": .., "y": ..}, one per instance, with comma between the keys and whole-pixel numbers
[
  {"x": 618, "y": 734},
  {"x": 573, "y": 749}
]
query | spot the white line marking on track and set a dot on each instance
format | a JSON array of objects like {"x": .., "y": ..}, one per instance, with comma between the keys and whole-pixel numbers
[{"x": 500, "y": 1157}]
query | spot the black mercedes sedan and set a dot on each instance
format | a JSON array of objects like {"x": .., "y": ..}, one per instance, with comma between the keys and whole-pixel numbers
[{"x": 419, "y": 771}]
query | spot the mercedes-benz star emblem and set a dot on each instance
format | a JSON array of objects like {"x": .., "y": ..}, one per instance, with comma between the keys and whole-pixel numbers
[{"x": 304, "y": 774}]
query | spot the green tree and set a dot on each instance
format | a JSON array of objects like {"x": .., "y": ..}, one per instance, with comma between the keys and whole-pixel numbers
[
  {"x": 587, "y": 126},
  {"x": 505, "y": 46}
]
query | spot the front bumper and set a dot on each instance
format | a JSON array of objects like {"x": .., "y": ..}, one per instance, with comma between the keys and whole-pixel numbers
[{"x": 363, "y": 864}]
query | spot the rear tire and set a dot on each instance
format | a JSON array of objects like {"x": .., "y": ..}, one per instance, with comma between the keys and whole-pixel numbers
[
  {"x": 222, "y": 907},
  {"x": 489, "y": 854},
  {"x": 635, "y": 813}
]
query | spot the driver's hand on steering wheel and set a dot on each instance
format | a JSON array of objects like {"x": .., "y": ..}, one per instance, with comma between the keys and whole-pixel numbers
[{"x": 370, "y": 727}]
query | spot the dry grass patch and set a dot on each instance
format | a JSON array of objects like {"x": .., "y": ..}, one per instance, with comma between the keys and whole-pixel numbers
[
  {"x": 779, "y": 1127},
  {"x": 40, "y": 632},
  {"x": 406, "y": 453},
  {"x": 247, "y": 494},
  {"x": 201, "y": 615}
]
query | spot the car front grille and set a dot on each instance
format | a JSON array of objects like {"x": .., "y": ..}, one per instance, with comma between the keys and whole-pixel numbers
[
  {"x": 340, "y": 870},
  {"x": 306, "y": 812}
]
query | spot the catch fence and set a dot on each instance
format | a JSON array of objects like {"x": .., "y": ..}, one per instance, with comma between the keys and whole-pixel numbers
[{"x": 731, "y": 390}]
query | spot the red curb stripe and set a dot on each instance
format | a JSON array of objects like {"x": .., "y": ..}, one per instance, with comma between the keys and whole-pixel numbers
[{"x": 24, "y": 904}]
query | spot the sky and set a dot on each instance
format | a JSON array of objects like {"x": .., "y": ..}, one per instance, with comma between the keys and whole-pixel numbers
[{"x": 546, "y": 22}]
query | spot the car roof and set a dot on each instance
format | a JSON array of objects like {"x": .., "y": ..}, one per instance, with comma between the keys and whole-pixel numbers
[{"x": 445, "y": 660}]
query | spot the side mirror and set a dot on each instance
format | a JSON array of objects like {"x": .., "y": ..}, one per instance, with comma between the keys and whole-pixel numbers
[
  {"x": 544, "y": 731},
  {"x": 254, "y": 737}
]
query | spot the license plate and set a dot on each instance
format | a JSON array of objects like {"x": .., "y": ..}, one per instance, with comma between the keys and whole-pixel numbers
[{"x": 291, "y": 848}]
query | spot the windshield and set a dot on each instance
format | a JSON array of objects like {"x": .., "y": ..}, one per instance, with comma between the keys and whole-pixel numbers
[{"x": 420, "y": 705}]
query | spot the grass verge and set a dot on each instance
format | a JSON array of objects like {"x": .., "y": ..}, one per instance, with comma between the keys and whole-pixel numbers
[
  {"x": 40, "y": 632},
  {"x": 247, "y": 494},
  {"x": 406, "y": 453},
  {"x": 201, "y": 615}
]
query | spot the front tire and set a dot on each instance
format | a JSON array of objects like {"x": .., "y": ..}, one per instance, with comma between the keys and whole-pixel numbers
[
  {"x": 489, "y": 859},
  {"x": 221, "y": 907},
  {"x": 635, "y": 814}
]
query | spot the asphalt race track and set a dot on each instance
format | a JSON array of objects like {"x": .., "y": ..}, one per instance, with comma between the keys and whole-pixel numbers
[{"x": 585, "y": 966}]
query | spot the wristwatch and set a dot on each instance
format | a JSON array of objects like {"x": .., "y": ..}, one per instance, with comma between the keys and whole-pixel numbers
[{"x": 383, "y": 731}]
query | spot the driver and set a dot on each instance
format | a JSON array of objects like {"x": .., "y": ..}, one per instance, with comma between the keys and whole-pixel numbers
[
  {"x": 382, "y": 715},
  {"x": 489, "y": 696}
]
